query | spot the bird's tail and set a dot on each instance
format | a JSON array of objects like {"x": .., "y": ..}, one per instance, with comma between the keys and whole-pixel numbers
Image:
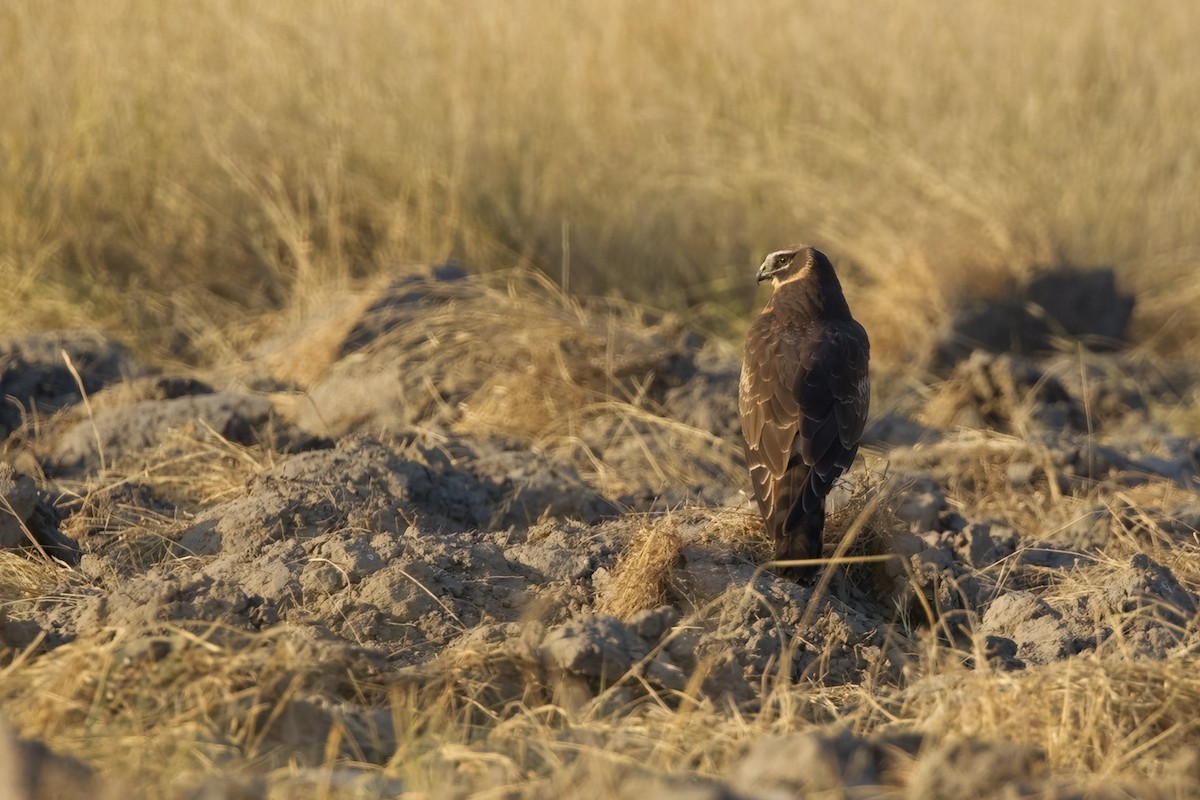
[{"x": 801, "y": 536}]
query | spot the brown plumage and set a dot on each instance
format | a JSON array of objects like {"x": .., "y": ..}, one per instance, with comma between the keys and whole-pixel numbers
[{"x": 803, "y": 397}]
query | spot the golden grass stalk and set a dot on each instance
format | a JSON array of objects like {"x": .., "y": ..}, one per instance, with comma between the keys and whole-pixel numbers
[
  {"x": 171, "y": 172},
  {"x": 641, "y": 577}
]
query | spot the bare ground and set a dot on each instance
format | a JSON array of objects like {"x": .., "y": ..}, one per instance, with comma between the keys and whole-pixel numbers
[{"x": 456, "y": 537}]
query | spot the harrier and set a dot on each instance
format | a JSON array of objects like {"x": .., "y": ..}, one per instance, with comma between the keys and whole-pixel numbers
[{"x": 803, "y": 397}]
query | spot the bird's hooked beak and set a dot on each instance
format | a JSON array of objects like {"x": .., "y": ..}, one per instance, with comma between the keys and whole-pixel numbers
[{"x": 768, "y": 269}]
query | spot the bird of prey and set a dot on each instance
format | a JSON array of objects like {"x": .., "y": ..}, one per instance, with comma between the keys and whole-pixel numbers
[{"x": 803, "y": 397}]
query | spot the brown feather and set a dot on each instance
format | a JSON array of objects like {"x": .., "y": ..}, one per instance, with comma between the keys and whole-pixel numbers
[{"x": 804, "y": 396}]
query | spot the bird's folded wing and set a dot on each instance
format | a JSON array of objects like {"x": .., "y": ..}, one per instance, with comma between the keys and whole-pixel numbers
[
  {"x": 833, "y": 392},
  {"x": 769, "y": 407}
]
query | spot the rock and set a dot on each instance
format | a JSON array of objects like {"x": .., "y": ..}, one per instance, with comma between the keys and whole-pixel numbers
[
  {"x": 961, "y": 768},
  {"x": 802, "y": 764},
  {"x": 936, "y": 574},
  {"x": 552, "y": 562},
  {"x": 355, "y": 558},
  {"x": 595, "y": 647},
  {"x": 28, "y": 520},
  {"x": 652, "y": 623},
  {"x": 29, "y": 770},
  {"x": 1038, "y": 630},
  {"x": 1151, "y": 588},
  {"x": 662, "y": 672},
  {"x": 567, "y": 552},
  {"x": 1002, "y": 653},
  {"x": 921, "y": 507},
  {"x": 18, "y": 499}
]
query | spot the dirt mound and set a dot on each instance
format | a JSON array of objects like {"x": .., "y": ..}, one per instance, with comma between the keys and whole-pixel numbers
[
  {"x": 610, "y": 393},
  {"x": 29, "y": 520},
  {"x": 1053, "y": 303},
  {"x": 36, "y": 373},
  {"x": 527, "y": 522}
]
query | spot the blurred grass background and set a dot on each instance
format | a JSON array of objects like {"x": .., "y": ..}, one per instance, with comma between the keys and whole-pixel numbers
[{"x": 170, "y": 170}]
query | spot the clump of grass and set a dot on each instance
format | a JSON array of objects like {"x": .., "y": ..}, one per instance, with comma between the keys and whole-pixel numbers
[
  {"x": 197, "y": 466},
  {"x": 643, "y": 574},
  {"x": 138, "y": 505},
  {"x": 740, "y": 530},
  {"x": 25, "y": 576},
  {"x": 866, "y": 514}
]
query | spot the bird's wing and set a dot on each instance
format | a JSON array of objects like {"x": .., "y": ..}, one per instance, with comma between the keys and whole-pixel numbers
[
  {"x": 769, "y": 407},
  {"x": 770, "y": 412},
  {"x": 833, "y": 392}
]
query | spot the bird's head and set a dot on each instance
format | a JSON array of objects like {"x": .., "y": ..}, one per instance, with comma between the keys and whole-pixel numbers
[{"x": 787, "y": 265}]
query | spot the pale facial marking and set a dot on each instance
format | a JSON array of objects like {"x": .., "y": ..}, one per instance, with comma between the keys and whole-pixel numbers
[
  {"x": 794, "y": 272},
  {"x": 781, "y": 266}
]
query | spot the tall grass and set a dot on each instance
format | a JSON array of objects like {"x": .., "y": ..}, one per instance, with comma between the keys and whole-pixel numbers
[{"x": 221, "y": 157}]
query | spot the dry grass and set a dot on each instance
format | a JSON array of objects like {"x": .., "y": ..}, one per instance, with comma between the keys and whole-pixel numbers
[
  {"x": 164, "y": 708},
  {"x": 549, "y": 363},
  {"x": 227, "y": 156},
  {"x": 643, "y": 574},
  {"x": 196, "y": 465},
  {"x": 25, "y": 578},
  {"x": 511, "y": 356},
  {"x": 170, "y": 172},
  {"x": 224, "y": 710},
  {"x": 169, "y": 706},
  {"x": 485, "y": 718},
  {"x": 1113, "y": 719}
]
